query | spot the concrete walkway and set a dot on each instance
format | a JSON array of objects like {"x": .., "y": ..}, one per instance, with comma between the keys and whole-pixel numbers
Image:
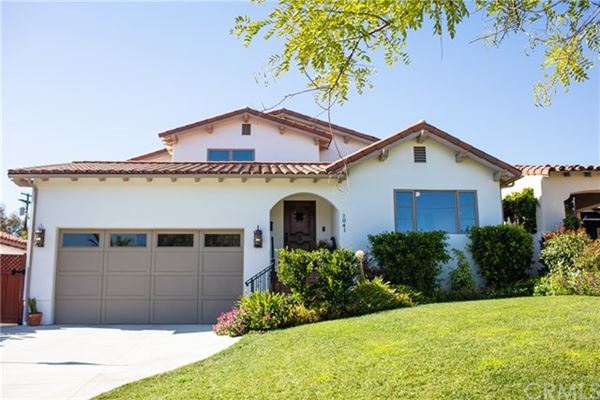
[{"x": 79, "y": 362}]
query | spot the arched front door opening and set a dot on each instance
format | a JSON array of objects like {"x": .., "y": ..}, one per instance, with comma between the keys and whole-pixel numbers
[{"x": 303, "y": 220}]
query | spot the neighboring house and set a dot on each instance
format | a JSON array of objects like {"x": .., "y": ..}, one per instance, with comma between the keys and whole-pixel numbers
[
  {"x": 172, "y": 236},
  {"x": 562, "y": 189},
  {"x": 10, "y": 244}
]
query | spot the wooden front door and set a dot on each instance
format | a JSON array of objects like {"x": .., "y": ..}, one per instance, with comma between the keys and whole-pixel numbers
[
  {"x": 299, "y": 226},
  {"x": 12, "y": 280}
]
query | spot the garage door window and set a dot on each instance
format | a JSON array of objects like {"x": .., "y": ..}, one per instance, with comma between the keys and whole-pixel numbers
[
  {"x": 128, "y": 240},
  {"x": 222, "y": 240},
  {"x": 81, "y": 240},
  {"x": 175, "y": 240}
]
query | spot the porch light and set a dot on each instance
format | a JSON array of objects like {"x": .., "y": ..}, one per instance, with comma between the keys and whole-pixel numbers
[
  {"x": 258, "y": 239},
  {"x": 39, "y": 235}
]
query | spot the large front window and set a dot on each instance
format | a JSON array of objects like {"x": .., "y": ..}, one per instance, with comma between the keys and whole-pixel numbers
[
  {"x": 428, "y": 210},
  {"x": 230, "y": 155}
]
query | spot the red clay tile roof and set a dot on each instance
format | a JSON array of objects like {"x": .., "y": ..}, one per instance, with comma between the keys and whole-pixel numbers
[
  {"x": 9, "y": 240},
  {"x": 151, "y": 154},
  {"x": 324, "y": 124},
  {"x": 546, "y": 169},
  {"x": 175, "y": 168},
  {"x": 250, "y": 111},
  {"x": 421, "y": 125}
]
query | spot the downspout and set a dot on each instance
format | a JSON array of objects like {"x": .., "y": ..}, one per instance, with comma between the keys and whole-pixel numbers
[{"x": 30, "y": 244}]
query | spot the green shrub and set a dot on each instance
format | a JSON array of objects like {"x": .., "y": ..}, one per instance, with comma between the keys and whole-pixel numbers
[
  {"x": 411, "y": 258},
  {"x": 589, "y": 258},
  {"x": 572, "y": 222},
  {"x": 462, "y": 285},
  {"x": 520, "y": 288},
  {"x": 295, "y": 269},
  {"x": 585, "y": 283},
  {"x": 375, "y": 295},
  {"x": 503, "y": 253},
  {"x": 265, "y": 310},
  {"x": 336, "y": 273},
  {"x": 300, "y": 315},
  {"x": 520, "y": 208},
  {"x": 414, "y": 295},
  {"x": 560, "y": 249},
  {"x": 322, "y": 278}
]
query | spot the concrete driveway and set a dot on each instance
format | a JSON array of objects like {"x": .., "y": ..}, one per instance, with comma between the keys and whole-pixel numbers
[{"x": 78, "y": 362}]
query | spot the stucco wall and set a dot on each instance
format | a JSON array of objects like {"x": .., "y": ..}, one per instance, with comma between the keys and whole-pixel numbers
[
  {"x": 360, "y": 206},
  {"x": 159, "y": 157},
  {"x": 4, "y": 249},
  {"x": 370, "y": 206},
  {"x": 339, "y": 149},
  {"x": 266, "y": 140},
  {"x": 556, "y": 189},
  {"x": 160, "y": 204}
]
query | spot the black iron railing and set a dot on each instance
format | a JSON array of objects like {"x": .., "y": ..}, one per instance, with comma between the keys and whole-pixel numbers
[{"x": 262, "y": 281}]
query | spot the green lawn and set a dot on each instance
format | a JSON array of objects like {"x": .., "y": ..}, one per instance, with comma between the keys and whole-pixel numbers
[{"x": 481, "y": 349}]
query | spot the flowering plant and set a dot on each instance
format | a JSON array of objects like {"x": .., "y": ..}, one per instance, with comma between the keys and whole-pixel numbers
[{"x": 232, "y": 323}]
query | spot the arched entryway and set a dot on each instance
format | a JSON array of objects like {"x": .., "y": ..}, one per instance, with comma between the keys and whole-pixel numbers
[{"x": 303, "y": 220}]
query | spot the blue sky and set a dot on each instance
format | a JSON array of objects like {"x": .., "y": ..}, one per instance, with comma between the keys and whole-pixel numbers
[{"x": 98, "y": 81}]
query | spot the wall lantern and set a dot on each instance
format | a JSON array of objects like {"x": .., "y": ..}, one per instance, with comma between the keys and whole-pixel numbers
[
  {"x": 39, "y": 235},
  {"x": 258, "y": 240}
]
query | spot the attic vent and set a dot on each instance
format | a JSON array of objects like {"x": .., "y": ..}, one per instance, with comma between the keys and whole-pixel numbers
[
  {"x": 246, "y": 129},
  {"x": 420, "y": 154}
]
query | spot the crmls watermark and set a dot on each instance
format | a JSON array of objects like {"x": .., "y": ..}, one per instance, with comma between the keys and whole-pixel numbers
[{"x": 562, "y": 391}]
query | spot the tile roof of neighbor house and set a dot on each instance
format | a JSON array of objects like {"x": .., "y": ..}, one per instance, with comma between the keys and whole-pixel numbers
[
  {"x": 324, "y": 124},
  {"x": 142, "y": 157},
  {"x": 546, "y": 169},
  {"x": 9, "y": 240},
  {"x": 417, "y": 127},
  {"x": 311, "y": 130},
  {"x": 175, "y": 168}
]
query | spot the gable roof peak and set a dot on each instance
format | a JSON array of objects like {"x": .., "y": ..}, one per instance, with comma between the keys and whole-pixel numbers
[
  {"x": 414, "y": 129},
  {"x": 314, "y": 131}
]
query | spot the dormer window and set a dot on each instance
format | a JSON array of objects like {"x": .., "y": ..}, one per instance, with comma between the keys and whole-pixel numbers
[
  {"x": 230, "y": 155},
  {"x": 246, "y": 129}
]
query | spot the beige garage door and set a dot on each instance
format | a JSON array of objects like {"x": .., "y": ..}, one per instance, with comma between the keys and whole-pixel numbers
[{"x": 135, "y": 277}]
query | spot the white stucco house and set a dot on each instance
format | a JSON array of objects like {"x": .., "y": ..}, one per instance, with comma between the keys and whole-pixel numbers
[
  {"x": 561, "y": 189},
  {"x": 178, "y": 234}
]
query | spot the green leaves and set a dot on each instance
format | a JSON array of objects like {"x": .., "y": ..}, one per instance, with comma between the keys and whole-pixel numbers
[
  {"x": 520, "y": 208},
  {"x": 334, "y": 42},
  {"x": 411, "y": 258},
  {"x": 503, "y": 253}
]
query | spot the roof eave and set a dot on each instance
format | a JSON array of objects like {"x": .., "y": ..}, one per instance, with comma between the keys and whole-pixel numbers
[{"x": 29, "y": 180}]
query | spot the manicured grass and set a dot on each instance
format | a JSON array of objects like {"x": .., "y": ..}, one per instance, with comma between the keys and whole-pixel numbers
[{"x": 482, "y": 349}]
